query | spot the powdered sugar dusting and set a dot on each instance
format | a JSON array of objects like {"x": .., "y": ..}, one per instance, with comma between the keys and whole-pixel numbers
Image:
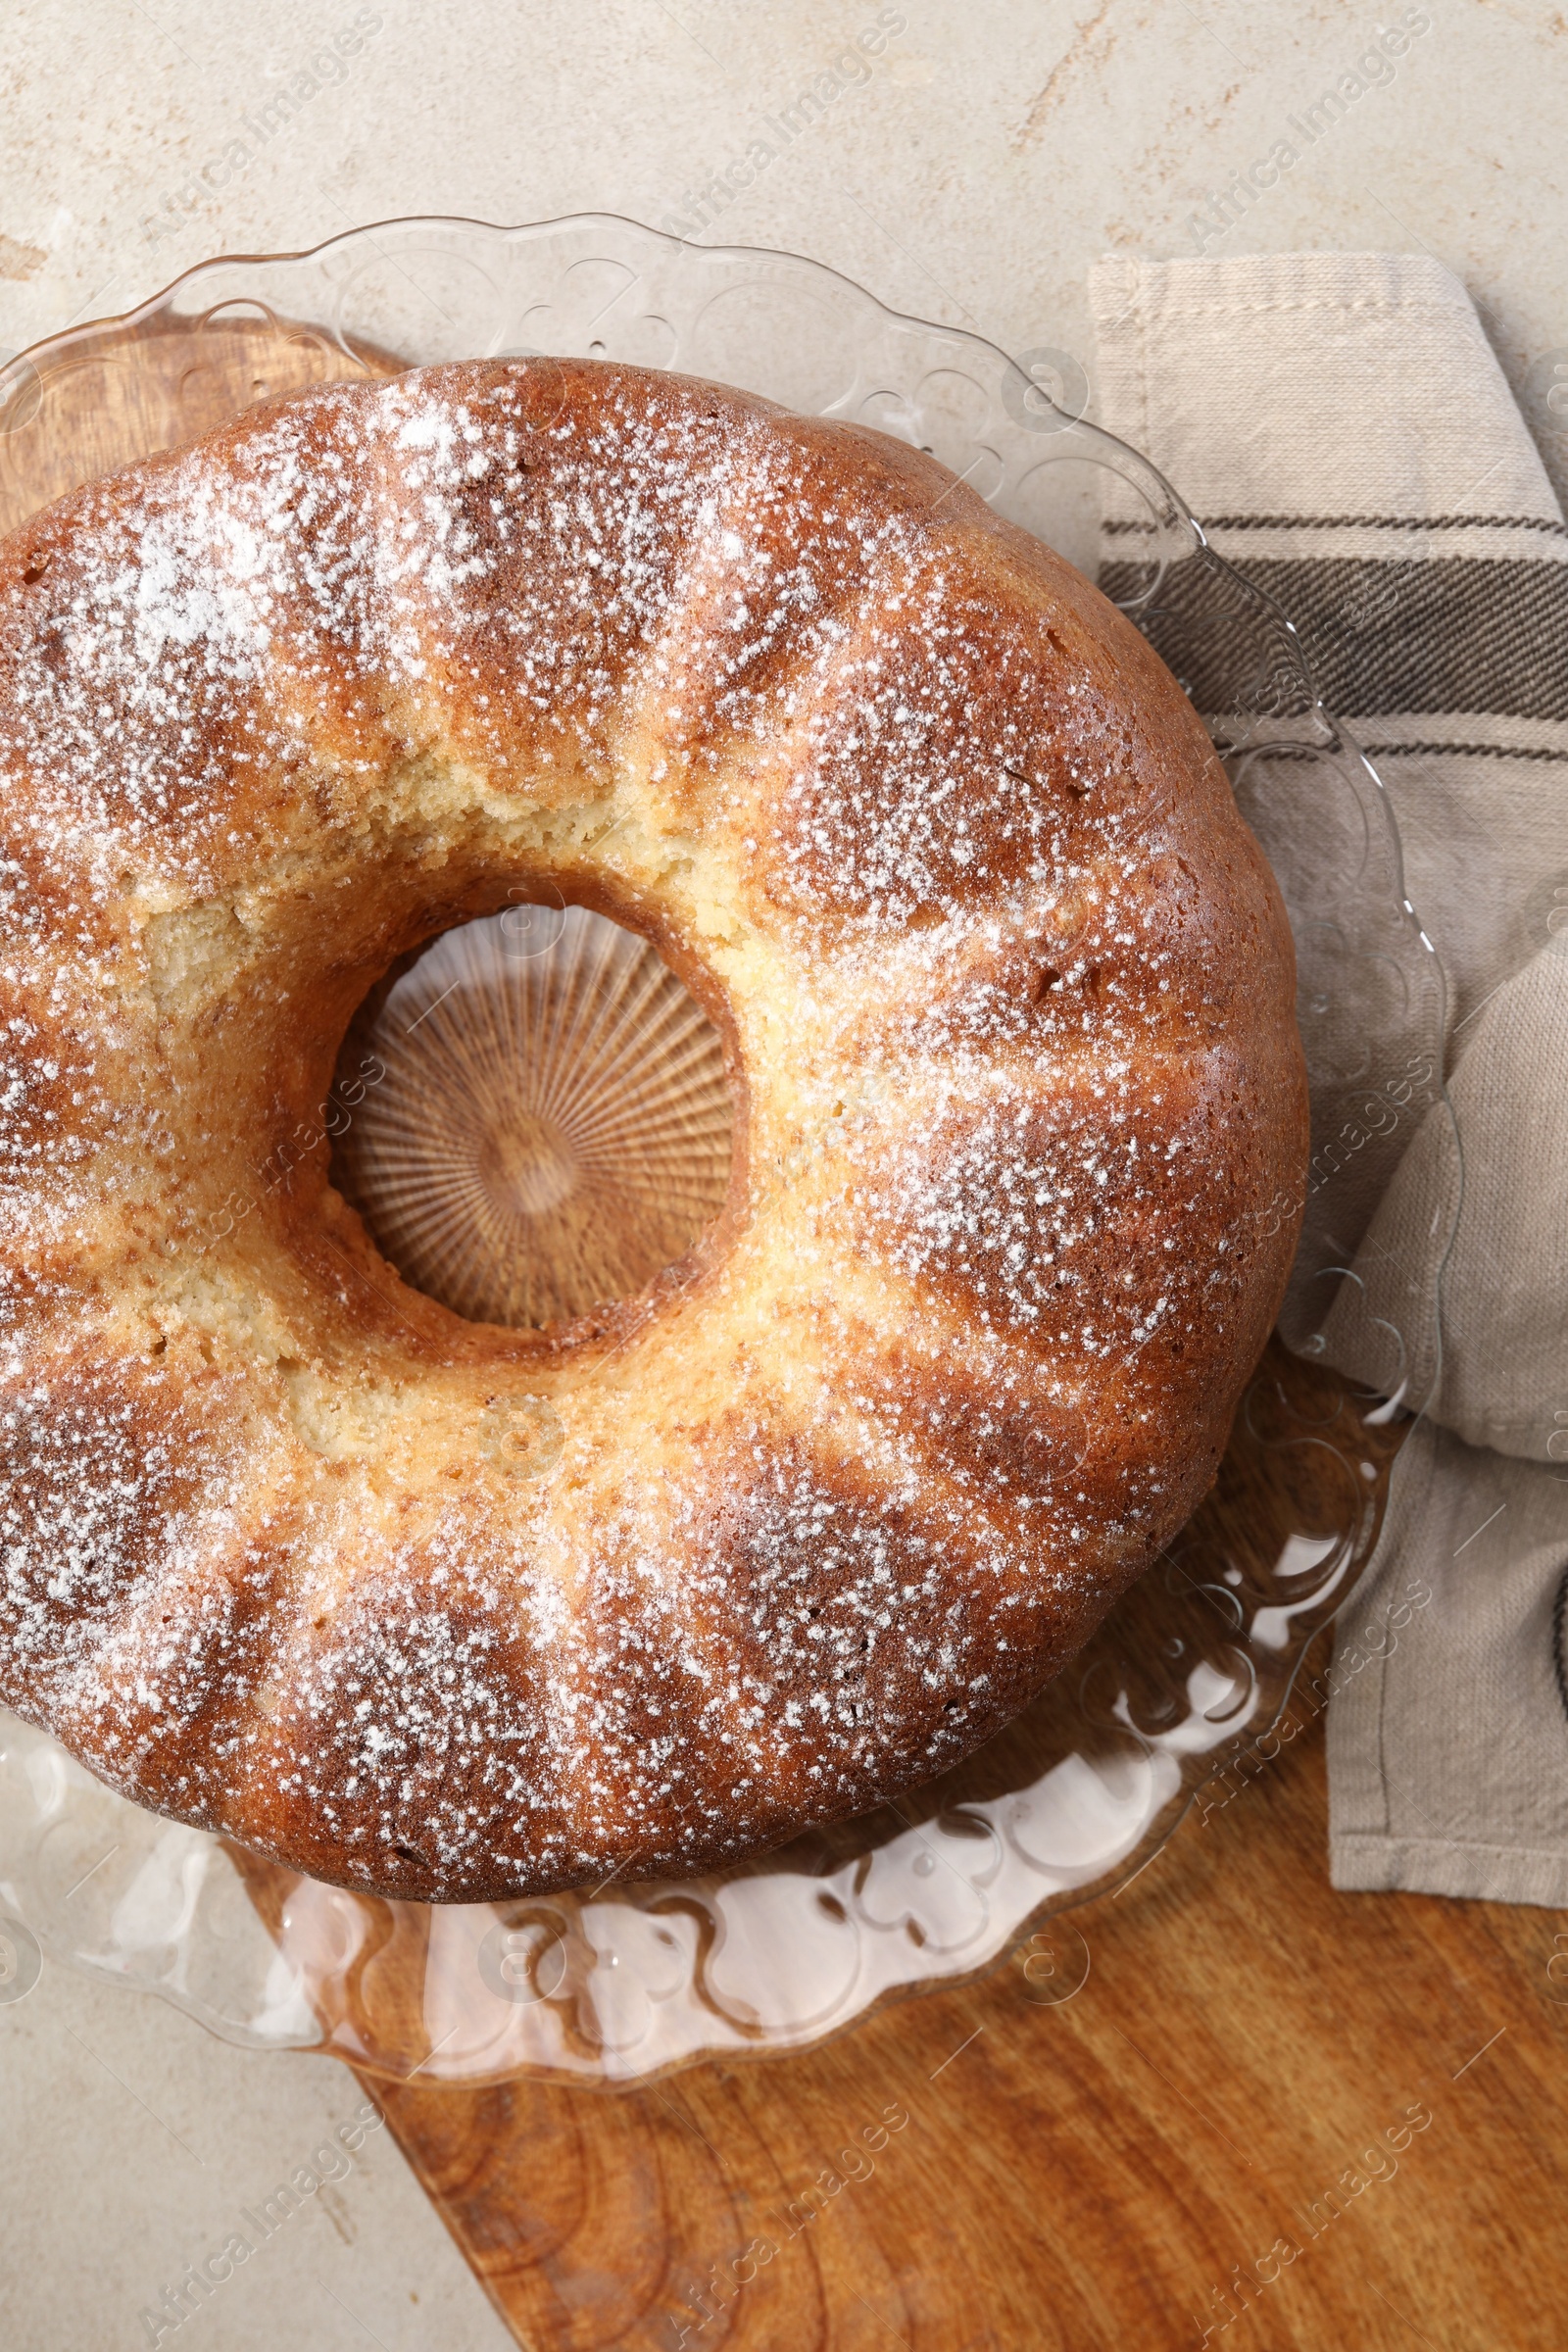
[{"x": 1008, "y": 990}]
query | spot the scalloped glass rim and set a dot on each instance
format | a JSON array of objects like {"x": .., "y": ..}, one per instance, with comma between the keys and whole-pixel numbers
[{"x": 1200, "y": 1659}]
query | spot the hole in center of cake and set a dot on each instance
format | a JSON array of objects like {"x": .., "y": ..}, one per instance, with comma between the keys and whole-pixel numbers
[
  {"x": 550, "y": 1125},
  {"x": 527, "y": 1165}
]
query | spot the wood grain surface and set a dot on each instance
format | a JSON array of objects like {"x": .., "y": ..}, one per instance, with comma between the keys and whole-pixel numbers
[
  {"x": 1136, "y": 2164},
  {"x": 1225, "y": 2098}
]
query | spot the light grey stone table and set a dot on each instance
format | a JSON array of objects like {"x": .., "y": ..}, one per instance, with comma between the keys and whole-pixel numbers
[{"x": 970, "y": 170}]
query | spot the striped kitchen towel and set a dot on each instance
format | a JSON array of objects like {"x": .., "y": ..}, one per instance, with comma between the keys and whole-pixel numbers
[{"x": 1340, "y": 426}]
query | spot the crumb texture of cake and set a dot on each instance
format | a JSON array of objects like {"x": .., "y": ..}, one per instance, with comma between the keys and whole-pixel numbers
[{"x": 451, "y": 1610}]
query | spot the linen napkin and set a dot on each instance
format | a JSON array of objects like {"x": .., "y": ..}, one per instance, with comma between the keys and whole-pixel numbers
[{"x": 1340, "y": 426}]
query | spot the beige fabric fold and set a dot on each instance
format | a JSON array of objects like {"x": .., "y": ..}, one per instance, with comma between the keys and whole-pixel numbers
[
  {"x": 1341, "y": 427},
  {"x": 1448, "y": 1748}
]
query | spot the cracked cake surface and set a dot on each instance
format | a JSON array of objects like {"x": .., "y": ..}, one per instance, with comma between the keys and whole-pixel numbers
[{"x": 451, "y": 1610}]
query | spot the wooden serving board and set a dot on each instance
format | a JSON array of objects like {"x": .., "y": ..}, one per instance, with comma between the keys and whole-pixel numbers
[
  {"x": 985, "y": 2169},
  {"x": 1226, "y": 2097}
]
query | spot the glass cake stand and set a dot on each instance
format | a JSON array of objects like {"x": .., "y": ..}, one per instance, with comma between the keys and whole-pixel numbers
[{"x": 1192, "y": 1668}]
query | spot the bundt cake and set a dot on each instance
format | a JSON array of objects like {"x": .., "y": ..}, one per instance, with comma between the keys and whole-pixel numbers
[{"x": 1003, "y": 988}]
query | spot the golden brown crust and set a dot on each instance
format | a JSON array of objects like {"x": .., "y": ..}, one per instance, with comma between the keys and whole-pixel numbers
[{"x": 1006, "y": 991}]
